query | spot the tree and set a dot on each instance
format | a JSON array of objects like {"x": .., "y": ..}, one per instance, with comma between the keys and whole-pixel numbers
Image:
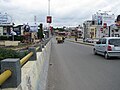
[{"x": 40, "y": 31}]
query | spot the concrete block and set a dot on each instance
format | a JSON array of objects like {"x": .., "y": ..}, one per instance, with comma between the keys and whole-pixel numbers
[
  {"x": 12, "y": 43},
  {"x": 40, "y": 48},
  {"x": 14, "y": 66},
  {"x": 34, "y": 56},
  {"x": 22, "y": 53},
  {"x": 2, "y": 43},
  {"x": 43, "y": 44}
]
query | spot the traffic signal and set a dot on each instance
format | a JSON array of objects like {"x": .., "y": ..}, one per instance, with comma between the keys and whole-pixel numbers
[{"x": 49, "y": 19}]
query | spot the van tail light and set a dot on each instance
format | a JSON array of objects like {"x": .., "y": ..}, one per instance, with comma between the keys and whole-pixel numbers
[{"x": 109, "y": 48}]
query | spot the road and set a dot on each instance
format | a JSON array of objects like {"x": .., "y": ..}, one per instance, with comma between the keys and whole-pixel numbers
[{"x": 74, "y": 67}]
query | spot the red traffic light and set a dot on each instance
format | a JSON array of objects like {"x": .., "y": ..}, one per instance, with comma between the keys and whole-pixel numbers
[{"x": 49, "y": 19}]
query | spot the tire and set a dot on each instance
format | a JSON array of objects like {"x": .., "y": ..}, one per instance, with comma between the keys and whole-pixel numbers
[
  {"x": 106, "y": 56},
  {"x": 95, "y": 52}
]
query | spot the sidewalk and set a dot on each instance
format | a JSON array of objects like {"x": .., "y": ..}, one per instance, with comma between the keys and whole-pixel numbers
[{"x": 80, "y": 41}]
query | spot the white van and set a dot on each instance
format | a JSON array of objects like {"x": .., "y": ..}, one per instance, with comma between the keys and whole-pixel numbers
[{"x": 108, "y": 46}]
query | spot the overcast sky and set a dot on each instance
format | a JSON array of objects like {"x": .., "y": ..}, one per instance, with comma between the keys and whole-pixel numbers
[{"x": 64, "y": 12}]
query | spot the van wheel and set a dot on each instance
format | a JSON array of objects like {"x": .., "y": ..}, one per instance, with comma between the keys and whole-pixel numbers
[
  {"x": 95, "y": 52},
  {"x": 106, "y": 56}
]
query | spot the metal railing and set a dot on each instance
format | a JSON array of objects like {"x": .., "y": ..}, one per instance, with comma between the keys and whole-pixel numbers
[
  {"x": 37, "y": 48},
  {"x": 4, "y": 76},
  {"x": 25, "y": 59}
]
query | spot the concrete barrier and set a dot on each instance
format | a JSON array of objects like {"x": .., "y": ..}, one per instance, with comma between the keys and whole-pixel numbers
[
  {"x": 34, "y": 73},
  {"x": 9, "y": 43},
  {"x": 2, "y": 43}
]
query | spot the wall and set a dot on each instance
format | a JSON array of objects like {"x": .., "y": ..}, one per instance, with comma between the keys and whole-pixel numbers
[{"x": 34, "y": 73}]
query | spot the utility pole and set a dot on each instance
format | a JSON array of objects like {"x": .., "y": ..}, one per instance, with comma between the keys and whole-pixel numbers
[
  {"x": 49, "y": 15},
  {"x": 49, "y": 7}
]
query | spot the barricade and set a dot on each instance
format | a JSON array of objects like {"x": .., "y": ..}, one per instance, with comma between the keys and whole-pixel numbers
[{"x": 10, "y": 76}]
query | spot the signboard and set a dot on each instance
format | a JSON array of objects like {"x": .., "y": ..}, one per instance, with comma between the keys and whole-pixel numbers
[
  {"x": 5, "y": 19},
  {"x": 99, "y": 18},
  {"x": 34, "y": 28},
  {"x": 108, "y": 19},
  {"x": 102, "y": 18},
  {"x": 49, "y": 19}
]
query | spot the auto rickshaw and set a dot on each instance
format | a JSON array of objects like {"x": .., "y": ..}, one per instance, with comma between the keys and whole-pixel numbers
[{"x": 60, "y": 37}]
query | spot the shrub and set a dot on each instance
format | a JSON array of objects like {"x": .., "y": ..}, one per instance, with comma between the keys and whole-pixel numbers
[
  {"x": 19, "y": 38},
  {"x": 8, "y": 53},
  {"x": 4, "y": 37},
  {"x": 16, "y": 38}
]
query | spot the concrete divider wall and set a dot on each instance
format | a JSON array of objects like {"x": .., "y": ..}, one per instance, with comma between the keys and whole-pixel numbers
[{"x": 34, "y": 73}]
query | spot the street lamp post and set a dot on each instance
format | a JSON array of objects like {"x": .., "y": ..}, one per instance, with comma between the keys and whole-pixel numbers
[
  {"x": 48, "y": 7},
  {"x": 49, "y": 15}
]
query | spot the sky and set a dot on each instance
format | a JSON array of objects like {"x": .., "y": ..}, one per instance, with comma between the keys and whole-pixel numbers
[{"x": 63, "y": 12}]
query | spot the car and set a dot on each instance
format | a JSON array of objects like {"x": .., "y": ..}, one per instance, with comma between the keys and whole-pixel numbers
[
  {"x": 89, "y": 40},
  {"x": 108, "y": 46}
]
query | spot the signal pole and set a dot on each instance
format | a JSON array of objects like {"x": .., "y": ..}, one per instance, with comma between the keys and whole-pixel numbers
[{"x": 49, "y": 15}]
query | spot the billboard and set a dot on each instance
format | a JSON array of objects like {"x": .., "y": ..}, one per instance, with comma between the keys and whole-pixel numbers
[
  {"x": 5, "y": 19},
  {"x": 97, "y": 18},
  {"x": 109, "y": 19},
  {"x": 102, "y": 18},
  {"x": 34, "y": 27}
]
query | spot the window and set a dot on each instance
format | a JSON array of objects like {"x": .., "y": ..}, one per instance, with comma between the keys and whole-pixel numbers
[
  {"x": 116, "y": 30},
  {"x": 115, "y": 42},
  {"x": 116, "y": 35},
  {"x": 99, "y": 42},
  {"x": 104, "y": 41}
]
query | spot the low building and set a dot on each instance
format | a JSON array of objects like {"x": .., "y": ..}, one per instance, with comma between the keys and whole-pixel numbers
[
  {"x": 6, "y": 24},
  {"x": 18, "y": 29},
  {"x": 5, "y": 29}
]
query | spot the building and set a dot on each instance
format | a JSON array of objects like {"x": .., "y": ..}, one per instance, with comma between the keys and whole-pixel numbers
[
  {"x": 99, "y": 26},
  {"x": 103, "y": 21},
  {"x": 6, "y": 24},
  {"x": 86, "y": 28},
  {"x": 18, "y": 29}
]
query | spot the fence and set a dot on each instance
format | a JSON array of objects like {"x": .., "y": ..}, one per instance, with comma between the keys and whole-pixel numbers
[{"x": 11, "y": 68}]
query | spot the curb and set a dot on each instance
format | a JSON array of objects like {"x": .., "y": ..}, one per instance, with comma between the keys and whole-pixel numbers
[{"x": 81, "y": 43}]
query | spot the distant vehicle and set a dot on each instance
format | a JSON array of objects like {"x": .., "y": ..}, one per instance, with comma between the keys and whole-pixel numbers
[
  {"x": 96, "y": 40},
  {"x": 89, "y": 40},
  {"x": 60, "y": 37},
  {"x": 108, "y": 46}
]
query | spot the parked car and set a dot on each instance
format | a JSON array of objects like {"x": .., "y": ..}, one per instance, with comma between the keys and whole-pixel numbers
[
  {"x": 108, "y": 46},
  {"x": 89, "y": 40}
]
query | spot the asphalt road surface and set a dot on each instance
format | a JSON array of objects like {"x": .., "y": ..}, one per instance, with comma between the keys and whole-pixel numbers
[{"x": 74, "y": 67}]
